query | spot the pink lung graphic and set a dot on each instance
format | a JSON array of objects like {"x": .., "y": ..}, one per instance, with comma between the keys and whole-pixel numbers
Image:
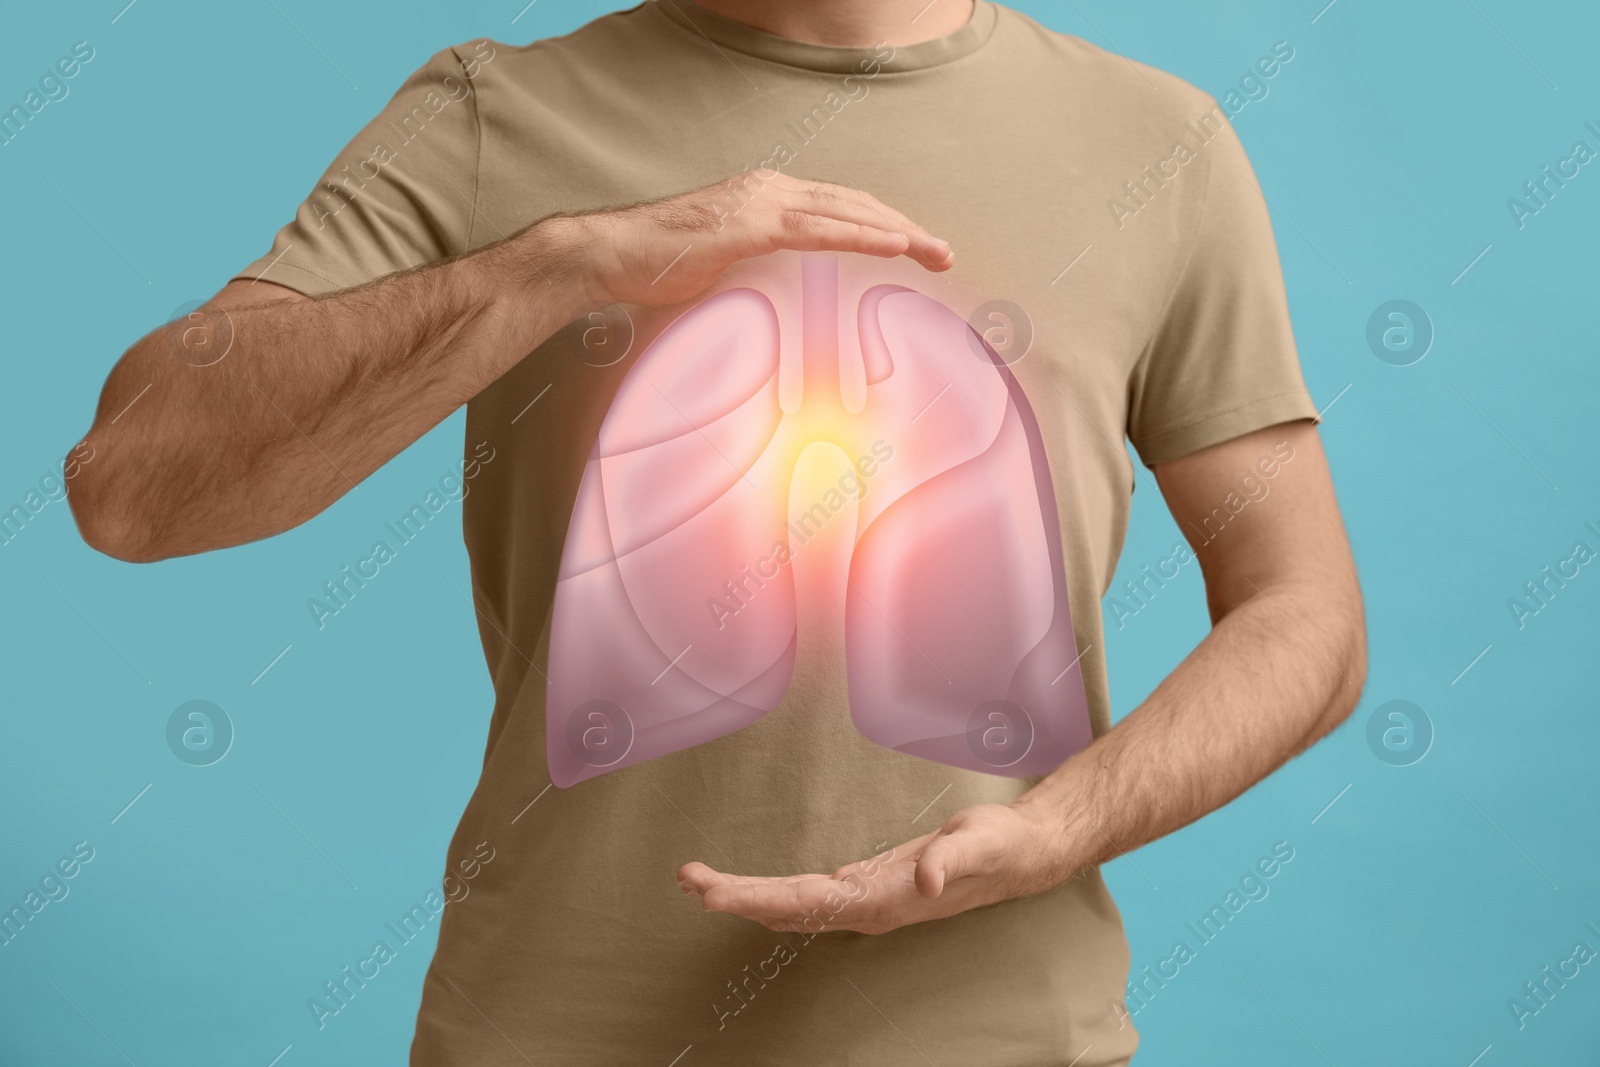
[{"x": 675, "y": 612}]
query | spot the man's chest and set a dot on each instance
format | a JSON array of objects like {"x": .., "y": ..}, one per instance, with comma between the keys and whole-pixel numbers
[{"x": 1021, "y": 188}]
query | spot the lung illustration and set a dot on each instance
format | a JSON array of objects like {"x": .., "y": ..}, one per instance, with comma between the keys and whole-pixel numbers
[{"x": 675, "y": 610}]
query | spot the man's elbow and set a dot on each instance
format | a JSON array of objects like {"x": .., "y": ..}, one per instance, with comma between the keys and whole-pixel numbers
[
  {"x": 108, "y": 524},
  {"x": 1351, "y": 666},
  {"x": 1358, "y": 663},
  {"x": 116, "y": 536}
]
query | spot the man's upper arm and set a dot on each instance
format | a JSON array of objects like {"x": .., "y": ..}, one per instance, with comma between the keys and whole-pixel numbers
[
  {"x": 399, "y": 195},
  {"x": 1221, "y": 360},
  {"x": 1260, "y": 513}
]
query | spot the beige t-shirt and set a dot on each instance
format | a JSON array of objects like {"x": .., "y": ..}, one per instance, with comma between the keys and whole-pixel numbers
[{"x": 1113, "y": 210}]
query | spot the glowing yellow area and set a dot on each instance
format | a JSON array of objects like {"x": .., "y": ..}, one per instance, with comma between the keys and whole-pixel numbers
[
  {"x": 823, "y": 515},
  {"x": 817, "y": 470},
  {"x": 834, "y": 432}
]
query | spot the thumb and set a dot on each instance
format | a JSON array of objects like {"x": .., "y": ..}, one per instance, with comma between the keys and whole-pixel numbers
[{"x": 943, "y": 860}]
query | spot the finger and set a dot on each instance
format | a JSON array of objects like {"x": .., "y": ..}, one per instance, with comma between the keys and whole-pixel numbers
[
  {"x": 849, "y": 204},
  {"x": 804, "y": 232},
  {"x": 853, "y": 205},
  {"x": 764, "y": 901},
  {"x": 811, "y": 907},
  {"x": 696, "y": 877}
]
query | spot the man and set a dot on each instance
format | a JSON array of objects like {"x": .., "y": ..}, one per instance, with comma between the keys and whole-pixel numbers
[{"x": 865, "y": 904}]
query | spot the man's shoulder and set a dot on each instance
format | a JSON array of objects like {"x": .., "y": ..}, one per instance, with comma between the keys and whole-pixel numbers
[
  {"x": 606, "y": 41},
  {"x": 1103, "y": 81}
]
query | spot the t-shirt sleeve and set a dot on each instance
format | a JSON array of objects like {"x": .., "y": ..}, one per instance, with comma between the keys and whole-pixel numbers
[
  {"x": 1222, "y": 361},
  {"x": 399, "y": 195}
]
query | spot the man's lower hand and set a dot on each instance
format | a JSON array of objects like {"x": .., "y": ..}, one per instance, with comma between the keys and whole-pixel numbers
[{"x": 984, "y": 855}]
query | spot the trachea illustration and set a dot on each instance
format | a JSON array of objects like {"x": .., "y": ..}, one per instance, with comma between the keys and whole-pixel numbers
[{"x": 676, "y": 608}]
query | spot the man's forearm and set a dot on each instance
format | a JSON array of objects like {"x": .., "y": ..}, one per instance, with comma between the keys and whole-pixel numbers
[
  {"x": 1276, "y": 673},
  {"x": 311, "y": 397}
]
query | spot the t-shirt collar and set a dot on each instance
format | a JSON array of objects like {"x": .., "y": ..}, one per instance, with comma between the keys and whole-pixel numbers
[{"x": 729, "y": 33}]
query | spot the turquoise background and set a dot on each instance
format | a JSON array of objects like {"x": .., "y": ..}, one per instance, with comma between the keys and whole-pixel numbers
[{"x": 1415, "y": 906}]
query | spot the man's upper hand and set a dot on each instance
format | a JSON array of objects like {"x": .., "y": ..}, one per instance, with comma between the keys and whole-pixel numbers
[{"x": 664, "y": 251}]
